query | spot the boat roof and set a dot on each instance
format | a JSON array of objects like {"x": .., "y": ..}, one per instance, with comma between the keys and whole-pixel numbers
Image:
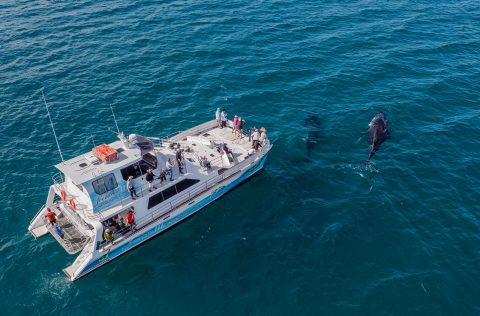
[{"x": 87, "y": 167}]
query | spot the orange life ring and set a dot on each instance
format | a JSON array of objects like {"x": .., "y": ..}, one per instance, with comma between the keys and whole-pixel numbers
[
  {"x": 63, "y": 195},
  {"x": 72, "y": 204}
]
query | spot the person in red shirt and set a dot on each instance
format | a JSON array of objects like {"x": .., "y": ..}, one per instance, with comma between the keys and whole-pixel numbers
[
  {"x": 51, "y": 216},
  {"x": 131, "y": 219}
]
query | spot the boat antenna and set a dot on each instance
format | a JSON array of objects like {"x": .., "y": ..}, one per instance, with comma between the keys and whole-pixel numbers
[
  {"x": 51, "y": 124},
  {"x": 93, "y": 140},
  {"x": 116, "y": 124}
]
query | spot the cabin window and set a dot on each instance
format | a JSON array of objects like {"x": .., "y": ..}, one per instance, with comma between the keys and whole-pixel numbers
[
  {"x": 151, "y": 160},
  {"x": 144, "y": 166},
  {"x": 132, "y": 170},
  {"x": 140, "y": 168},
  {"x": 105, "y": 184},
  {"x": 171, "y": 191}
]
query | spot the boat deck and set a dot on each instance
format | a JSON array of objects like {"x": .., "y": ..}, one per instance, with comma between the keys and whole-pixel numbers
[{"x": 73, "y": 240}]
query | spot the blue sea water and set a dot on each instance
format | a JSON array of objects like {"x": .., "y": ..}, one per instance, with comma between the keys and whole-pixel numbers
[{"x": 319, "y": 233}]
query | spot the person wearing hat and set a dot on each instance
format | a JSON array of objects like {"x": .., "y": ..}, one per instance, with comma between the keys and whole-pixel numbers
[
  {"x": 108, "y": 236},
  {"x": 131, "y": 188},
  {"x": 263, "y": 138}
]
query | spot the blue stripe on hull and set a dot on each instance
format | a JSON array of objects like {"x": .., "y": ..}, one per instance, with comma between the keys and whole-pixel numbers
[{"x": 137, "y": 240}]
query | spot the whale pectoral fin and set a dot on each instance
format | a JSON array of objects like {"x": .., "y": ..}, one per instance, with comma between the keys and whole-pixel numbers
[{"x": 370, "y": 154}]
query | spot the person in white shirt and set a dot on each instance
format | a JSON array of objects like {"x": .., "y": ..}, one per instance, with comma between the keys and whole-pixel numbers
[
  {"x": 255, "y": 139},
  {"x": 262, "y": 141},
  {"x": 169, "y": 164},
  {"x": 217, "y": 117},
  {"x": 223, "y": 118}
]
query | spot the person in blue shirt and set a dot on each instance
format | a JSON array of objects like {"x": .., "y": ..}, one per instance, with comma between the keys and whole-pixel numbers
[{"x": 58, "y": 230}]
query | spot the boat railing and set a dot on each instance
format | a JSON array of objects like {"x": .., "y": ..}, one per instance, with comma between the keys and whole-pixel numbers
[
  {"x": 193, "y": 191},
  {"x": 181, "y": 199},
  {"x": 76, "y": 219},
  {"x": 58, "y": 180},
  {"x": 193, "y": 131}
]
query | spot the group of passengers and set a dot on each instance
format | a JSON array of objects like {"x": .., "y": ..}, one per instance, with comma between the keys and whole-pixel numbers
[
  {"x": 117, "y": 225},
  {"x": 150, "y": 176},
  {"x": 221, "y": 116},
  {"x": 238, "y": 123},
  {"x": 258, "y": 137}
]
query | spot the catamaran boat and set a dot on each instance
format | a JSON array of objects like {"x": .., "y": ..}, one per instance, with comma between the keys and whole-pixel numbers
[{"x": 93, "y": 204}]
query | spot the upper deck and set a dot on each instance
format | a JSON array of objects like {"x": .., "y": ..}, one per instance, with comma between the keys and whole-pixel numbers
[
  {"x": 87, "y": 167},
  {"x": 100, "y": 188}
]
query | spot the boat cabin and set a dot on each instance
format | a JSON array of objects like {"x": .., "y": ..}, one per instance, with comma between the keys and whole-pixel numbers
[{"x": 97, "y": 181}]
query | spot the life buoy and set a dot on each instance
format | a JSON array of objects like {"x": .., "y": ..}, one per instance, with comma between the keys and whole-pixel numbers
[
  {"x": 72, "y": 204},
  {"x": 63, "y": 195}
]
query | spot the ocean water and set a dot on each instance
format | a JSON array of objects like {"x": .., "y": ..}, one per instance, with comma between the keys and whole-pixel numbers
[{"x": 322, "y": 232}]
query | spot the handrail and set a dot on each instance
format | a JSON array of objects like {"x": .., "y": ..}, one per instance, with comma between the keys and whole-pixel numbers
[
  {"x": 193, "y": 131},
  {"x": 73, "y": 215},
  {"x": 195, "y": 190},
  {"x": 58, "y": 180}
]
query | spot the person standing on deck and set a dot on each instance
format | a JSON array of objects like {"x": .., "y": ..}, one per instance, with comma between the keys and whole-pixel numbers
[
  {"x": 51, "y": 216},
  {"x": 149, "y": 178},
  {"x": 241, "y": 124},
  {"x": 179, "y": 158},
  {"x": 262, "y": 141},
  {"x": 58, "y": 230},
  {"x": 163, "y": 175},
  {"x": 250, "y": 133},
  {"x": 169, "y": 164},
  {"x": 255, "y": 139},
  {"x": 235, "y": 125},
  {"x": 131, "y": 219},
  {"x": 223, "y": 118},
  {"x": 131, "y": 188},
  {"x": 218, "y": 118}
]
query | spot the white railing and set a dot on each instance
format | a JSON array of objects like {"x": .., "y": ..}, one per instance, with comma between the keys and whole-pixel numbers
[
  {"x": 58, "y": 180},
  {"x": 170, "y": 205},
  {"x": 75, "y": 218},
  {"x": 193, "y": 131}
]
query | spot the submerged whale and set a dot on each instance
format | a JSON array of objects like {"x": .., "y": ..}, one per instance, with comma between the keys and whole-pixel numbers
[
  {"x": 313, "y": 124},
  {"x": 377, "y": 133}
]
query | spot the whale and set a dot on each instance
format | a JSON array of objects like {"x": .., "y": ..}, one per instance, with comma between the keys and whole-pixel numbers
[
  {"x": 377, "y": 133},
  {"x": 313, "y": 126}
]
